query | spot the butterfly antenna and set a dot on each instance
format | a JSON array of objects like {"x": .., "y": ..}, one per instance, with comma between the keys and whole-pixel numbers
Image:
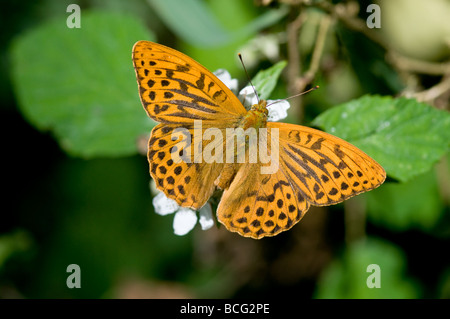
[
  {"x": 311, "y": 89},
  {"x": 245, "y": 69}
]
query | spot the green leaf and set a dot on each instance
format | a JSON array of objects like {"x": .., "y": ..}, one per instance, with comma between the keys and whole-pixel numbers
[
  {"x": 414, "y": 204},
  {"x": 268, "y": 18},
  {"x": 348, "y": 276},
  {"x": 406, "y": 137},
  {"x": 80, "y": 83},
  {"x": 266, "y": 80},
  {"x": 444, "y": 285},
  {"x": 195, "y": 23},
  {"x": 192, "y": 21},
  {"x": 14, "y": 242}
]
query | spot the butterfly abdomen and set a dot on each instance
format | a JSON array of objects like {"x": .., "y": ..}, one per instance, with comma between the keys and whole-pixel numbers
[{"x": 227, "y": 175}]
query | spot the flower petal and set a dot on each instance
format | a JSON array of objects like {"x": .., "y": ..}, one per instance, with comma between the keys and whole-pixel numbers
[
  {"x": 262, "y": 47},
  {"x": 225, "y": 77},
  {"x": 278, "y": 110},
  {"x": 268, "y": 45},
  {"x": 184, "y": 220},
  {"x": 163, "y": 205},
  {"x": 153, "y": 190},
  {"x": 248, "y": 97},
  {"x": 206, "y": 219}
]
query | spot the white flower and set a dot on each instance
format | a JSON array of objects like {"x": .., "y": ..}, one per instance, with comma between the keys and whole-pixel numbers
[
  {"x": 185, "y": 218},
  {"x": 225, "y": 77},
  {"x": 164, "y": 205},
  {"x": 277, "y": 108},
  {"x": 262, "y": 47}
]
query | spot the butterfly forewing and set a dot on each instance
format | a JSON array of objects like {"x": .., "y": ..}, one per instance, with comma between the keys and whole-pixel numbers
[
  {"x": 325, "y": 168},
  {"x": 315, "y": 168},
  {"x": 176, "y": 89}
]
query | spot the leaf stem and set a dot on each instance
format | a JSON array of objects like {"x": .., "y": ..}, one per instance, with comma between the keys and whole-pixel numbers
[
  {"x": 325, "y": 23},
  {"x": 295, "y": 67}
]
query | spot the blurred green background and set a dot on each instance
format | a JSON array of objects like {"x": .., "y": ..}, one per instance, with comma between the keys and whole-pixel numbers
[{"x": 77, "y": 183}]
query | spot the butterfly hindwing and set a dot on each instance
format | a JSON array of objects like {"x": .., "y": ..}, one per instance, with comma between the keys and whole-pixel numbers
[
  {"x": 259, "y": 205},
  {"x": 180, "y": 172}
]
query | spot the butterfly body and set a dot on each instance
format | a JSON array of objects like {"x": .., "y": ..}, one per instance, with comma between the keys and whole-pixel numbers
[
  {"x": 227, "y": 175},
  {"x": 257, "y": 116},
  {"x": 267, "y": 189}
]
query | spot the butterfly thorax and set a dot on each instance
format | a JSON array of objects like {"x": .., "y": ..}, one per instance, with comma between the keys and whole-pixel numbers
[{"x": 256, "y": 117}]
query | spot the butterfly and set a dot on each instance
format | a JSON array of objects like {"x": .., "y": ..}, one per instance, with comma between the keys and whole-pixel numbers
[{"x": 313, "y": 167}]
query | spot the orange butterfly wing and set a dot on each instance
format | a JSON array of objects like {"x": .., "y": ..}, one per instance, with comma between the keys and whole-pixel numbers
[
  {"x": 187, "y": 179},
  {"x": 176, "y": 90},
  {"x": 315, "y": 168},
  {"x": 327, "y": 169},
  {"x": 269, "y": 205}
]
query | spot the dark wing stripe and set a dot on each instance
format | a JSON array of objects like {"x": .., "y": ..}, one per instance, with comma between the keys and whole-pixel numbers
[
  {"x": 181, "y": 103},
  {"x": 186, "y": 115},
  {"x": 306, "y": 158},
  {"x": 299, "y": 175},
  {"x": 347, "y": 160},
  {"x": 194, "y": 97},
  {"x": 295, "y": 187}
]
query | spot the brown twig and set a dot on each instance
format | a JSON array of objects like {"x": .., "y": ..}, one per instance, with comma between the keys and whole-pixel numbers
[
  {"x": 434, "y": 92},
  {"x": 307, "y": 78},
  {"x": 405, "y": 66},
  {"x": 418, "y": 66},
  {"x": 355, "y": 219},
  {"x": 346, "y": 13},
  {"x": 295, "y": 67},
  {"x": 296, "y": 82}
]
